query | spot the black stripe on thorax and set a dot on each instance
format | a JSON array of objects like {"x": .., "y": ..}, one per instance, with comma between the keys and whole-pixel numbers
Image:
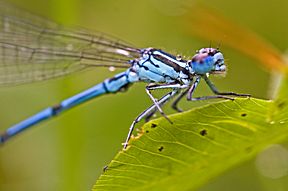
[{"x": 169, "y": 62}]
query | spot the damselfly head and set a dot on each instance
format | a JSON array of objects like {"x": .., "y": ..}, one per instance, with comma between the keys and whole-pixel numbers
[{"x": 208, "y": 60}]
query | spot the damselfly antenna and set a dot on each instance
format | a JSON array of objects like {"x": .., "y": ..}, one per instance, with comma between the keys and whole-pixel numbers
[{"x": 219, "y": 45}]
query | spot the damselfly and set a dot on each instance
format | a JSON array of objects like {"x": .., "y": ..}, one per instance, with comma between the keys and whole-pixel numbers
[{"x": 34, "y": 49}]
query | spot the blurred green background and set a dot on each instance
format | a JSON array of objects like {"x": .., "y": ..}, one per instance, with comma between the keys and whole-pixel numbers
[{"x": 70, "y": 151}]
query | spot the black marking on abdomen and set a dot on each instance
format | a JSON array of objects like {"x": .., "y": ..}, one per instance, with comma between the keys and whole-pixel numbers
[
  {"x": 105, "y": 87},
  {"x": 124, "y": 87},
  {"x": 56, "y": 109},
  {"x": 3, "y": 137},
  {"x": 115, "y": 78}
]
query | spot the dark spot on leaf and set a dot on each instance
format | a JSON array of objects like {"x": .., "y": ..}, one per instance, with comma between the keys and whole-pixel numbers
[
  {"x": 105, "y": 168},
  {"x": 203, "y": 132},
  {"x": 153, "y": 125},
  {"x": 281, "y": 104},
  {"x": 249, "y": 149},
  {"x": 244, "y": 114},
  {"x": 147, "y": 131},
  {"x": 161, "y": 148}
]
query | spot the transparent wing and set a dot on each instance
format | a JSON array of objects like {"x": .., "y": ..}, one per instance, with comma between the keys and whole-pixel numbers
[{"x": 33, "y": 48}]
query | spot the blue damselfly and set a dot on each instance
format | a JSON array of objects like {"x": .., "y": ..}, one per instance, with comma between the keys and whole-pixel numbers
[{"x": 35, "y": 49}]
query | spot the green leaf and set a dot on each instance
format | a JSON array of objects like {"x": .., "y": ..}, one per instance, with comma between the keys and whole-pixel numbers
[{"x": 200, "y": 144}]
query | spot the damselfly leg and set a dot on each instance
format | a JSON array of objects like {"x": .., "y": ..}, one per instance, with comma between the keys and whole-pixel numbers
[
  {"x": 147, "y": 112},
  {"x": 162, "y": 86},
  {"x": 174, "y": 105},
  {"x": 215, "y": 90}
]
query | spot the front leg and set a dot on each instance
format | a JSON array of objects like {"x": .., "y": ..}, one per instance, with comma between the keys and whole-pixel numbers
[
  {"x": 215, "y": 90},
  {"x": 193, "y": 87}
]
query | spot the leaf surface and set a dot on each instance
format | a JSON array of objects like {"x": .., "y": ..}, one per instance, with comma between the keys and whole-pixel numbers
[{"x": 200, "y": 144}]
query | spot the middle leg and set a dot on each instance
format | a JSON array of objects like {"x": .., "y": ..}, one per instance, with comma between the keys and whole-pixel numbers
[
  {"x": 147, "y": 112},
  {"x": 162, "y": 86}
]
